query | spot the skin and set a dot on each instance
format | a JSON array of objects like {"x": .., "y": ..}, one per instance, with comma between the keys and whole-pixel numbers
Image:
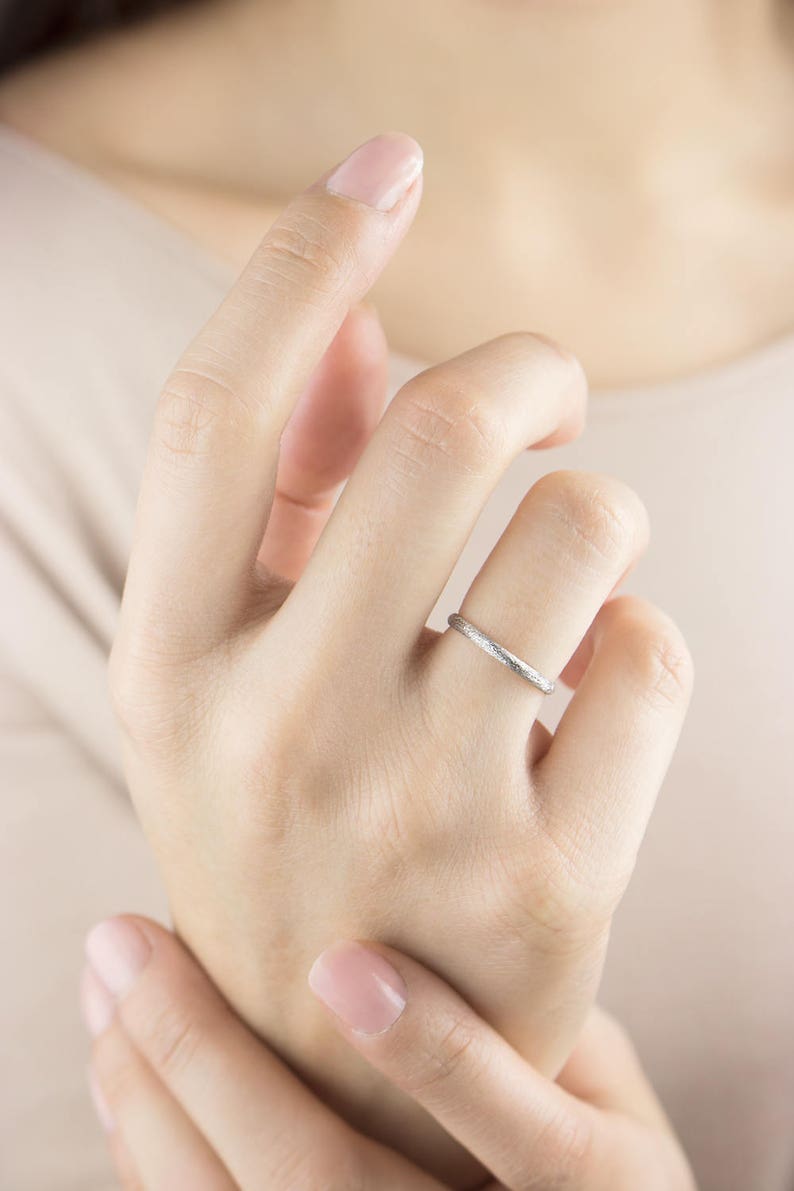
[
  {"x": 190, "y": 1097},
  {"x": 692, "y": 212},
  {"x": 640, "y": 148},
  {"x": 281, "y": 817}
]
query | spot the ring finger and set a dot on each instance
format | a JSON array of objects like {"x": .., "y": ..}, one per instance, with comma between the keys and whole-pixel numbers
[{"x": 573, "y": 537}]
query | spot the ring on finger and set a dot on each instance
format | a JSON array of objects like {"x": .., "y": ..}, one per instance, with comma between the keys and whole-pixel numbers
[{"x": 500, "y": 653}]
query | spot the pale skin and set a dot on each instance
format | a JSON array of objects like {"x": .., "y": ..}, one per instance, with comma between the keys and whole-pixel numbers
[
  {"x": 302, "y": 775},
  {"x": 190, "y": 1098},
  {"x": 638, "y": 151},
  {"x": 540, "y": 217}
]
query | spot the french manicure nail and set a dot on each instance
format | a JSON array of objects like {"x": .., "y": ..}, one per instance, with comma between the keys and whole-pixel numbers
[
  {"x": 96, "y": 1003},
  {"x": 359, "y": 986},
  {"x": 118, "y": 953},
  {"x": 379, "y": 172}
]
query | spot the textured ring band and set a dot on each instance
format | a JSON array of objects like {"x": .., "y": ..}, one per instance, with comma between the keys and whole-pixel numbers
[{"x": 501, "y": 654}]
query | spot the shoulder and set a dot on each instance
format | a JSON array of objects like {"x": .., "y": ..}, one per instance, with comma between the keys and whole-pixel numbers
[
  {"x": 95, "y": 307},
  {"x": 97, "y": 300}
]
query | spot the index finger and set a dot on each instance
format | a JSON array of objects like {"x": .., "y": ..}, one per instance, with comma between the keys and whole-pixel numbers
[
  {"x": 163, "y": 1021},
  {"x": 211, "y": 467}
]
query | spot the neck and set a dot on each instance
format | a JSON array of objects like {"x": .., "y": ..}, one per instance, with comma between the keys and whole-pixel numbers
[
  {"x": 626, "y": 92},
  {"x": 572, "y": 147}
]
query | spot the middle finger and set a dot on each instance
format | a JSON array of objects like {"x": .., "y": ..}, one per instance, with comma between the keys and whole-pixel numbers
[{"x": 405, "y": 514}]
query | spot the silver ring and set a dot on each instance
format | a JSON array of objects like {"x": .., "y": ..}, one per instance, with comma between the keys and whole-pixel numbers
[{"x": 500, "y": 653}]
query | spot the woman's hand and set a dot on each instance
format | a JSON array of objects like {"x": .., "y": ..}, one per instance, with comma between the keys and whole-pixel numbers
[
  {"x": 308, "y": 760},
  {"x": 192, "y": 1099}
]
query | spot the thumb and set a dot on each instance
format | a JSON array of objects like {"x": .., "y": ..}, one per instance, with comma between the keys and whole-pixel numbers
[
  {"x": 525, "y": 1129},
  {"x": 329, "y": 428}
]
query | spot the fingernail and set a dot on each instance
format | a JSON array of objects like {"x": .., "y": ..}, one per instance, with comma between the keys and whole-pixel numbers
[
  {"x": 100, "y": 1103},
  {"x": 96, "y": 1003},
  {"x": 379, "y": 172},
  {"x": 359, "y": 986},
  {"x": 118, "y": 953}
]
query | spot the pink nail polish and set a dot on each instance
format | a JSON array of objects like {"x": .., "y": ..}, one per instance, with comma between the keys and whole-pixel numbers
[
  {"x": 359, "y": 986},
  {"x": 118, "y": 952},
  {"x": 96, "y": 1003},
  {"x": 379, "y": 172},
  {"x": 100, "y": 1104}
]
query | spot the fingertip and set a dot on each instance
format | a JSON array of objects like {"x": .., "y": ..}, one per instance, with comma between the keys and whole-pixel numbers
[
  {"x": 577, "y": 388},
  {"x": 379, "y": 172},
  {"x": 117, "y": 950},
  {"x": 569, "y": 429},
  {"x": 359, "y": 986}
]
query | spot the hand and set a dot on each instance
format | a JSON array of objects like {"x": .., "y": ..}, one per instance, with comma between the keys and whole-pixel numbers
[
  {"x": 192, "y": 1099},
  {"x": 308, "y": 760}
]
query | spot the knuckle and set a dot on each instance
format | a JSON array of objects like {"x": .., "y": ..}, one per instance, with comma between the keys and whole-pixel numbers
[
  {"x": 549, "y": 354},
  {"x": 560, "y": 383},
  {"x": 658, "y": 657},
  {"x": 158, "y": 709},
  {"x": 305, "y": 251},
  {"x": 450, "y": 424},
  {"x": 172, "y": 1039},
  {"x": 566, "y": 904},
  {"x": 440, "y": 1062},
  {"x": 604, "y": 518},
  {"x": 553, "y": 370},
  {"x": 196, "y": 396}
]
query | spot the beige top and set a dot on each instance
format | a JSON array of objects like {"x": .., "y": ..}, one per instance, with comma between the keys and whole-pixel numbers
[{"x": 98, "y": 298}]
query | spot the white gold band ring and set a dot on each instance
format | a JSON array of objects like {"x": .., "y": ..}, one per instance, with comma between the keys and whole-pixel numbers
[{"x": 500, "y": 653}]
